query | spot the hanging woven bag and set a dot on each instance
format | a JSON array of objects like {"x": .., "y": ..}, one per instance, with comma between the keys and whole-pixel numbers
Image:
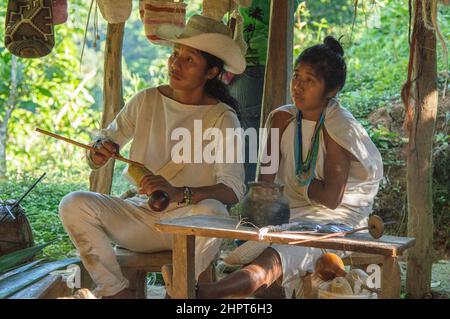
[
  {"x": 157, "y": 13},
  {"x": 29, "y": 29}
]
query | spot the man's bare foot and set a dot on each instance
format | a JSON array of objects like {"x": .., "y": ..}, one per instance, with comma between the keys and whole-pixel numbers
[
  {"x": 81, "y": 294},
  {"x": 123, "y": 294}
]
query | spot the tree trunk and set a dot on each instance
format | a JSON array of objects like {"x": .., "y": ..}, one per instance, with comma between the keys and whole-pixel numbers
[
  {"x": 419, "y": 176},
  {"x": 9, "y": 108},
  {"x": 279, "y": 57},
  {"x": 101, "y": 180}
]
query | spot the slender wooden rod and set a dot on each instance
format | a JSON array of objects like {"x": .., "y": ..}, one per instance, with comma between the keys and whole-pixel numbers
[
  {"x": 338, "y": 234},
  {"x": 85, "y": 146}
]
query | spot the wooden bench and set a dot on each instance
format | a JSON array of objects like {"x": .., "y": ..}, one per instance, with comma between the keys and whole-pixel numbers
[
  {"x": 136, "y": 266},
  {"x": 185, "y": 229},
  {"x": 49, "y": 287}
]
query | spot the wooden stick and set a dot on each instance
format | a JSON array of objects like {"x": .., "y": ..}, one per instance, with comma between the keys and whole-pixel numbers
[
  {"x": 88, "y": 147},
  {"x": 328, "y": 236},
  {"x": 344, "y": 233}
]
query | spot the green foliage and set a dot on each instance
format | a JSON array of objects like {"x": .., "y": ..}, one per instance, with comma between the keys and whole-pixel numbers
[
  {"x": 16, "y": 258},
  {"x": 58, "y": 94},
  {"x": 52, "y": 95},
  {"x": 256, "y": 31}
]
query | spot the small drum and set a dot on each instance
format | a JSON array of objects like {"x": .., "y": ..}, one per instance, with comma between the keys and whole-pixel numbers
[{"x": 15, "y": 234}]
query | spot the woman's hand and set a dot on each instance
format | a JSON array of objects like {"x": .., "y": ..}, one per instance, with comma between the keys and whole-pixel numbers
[
  {"x": 104, "y": 151},
  {"x": 151, "y": 183}
]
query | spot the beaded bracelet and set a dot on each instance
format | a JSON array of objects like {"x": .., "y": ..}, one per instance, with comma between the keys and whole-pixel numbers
[{"x": 187, "y": 196}]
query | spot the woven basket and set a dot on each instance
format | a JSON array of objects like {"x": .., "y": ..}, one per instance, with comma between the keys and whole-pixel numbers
[
  {"x": 115, "y": 11},
  {"x": 156, "y": 13}
]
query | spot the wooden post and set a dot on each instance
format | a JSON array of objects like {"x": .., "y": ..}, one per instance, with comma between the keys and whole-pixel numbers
[
  {"x": 390, "y": 278},
  {"x": 279, "y": 57},
  {"x": 100, "y": 181},
  {"x": 183, "y": 256},
  {"x": 419, "y": 176}
]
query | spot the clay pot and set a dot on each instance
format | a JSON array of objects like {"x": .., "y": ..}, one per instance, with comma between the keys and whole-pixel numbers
[{"x": 265, "y": 204}]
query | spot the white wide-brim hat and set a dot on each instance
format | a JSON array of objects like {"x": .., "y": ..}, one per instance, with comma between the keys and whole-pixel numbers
[{"x": 208, "y": 35}]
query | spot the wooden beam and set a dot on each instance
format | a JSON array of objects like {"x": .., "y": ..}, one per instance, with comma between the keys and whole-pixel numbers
[
  {"x": 419, "y": 175},
  {"x": 279, "y": 57},
  {"x": 100, "y": 181}
]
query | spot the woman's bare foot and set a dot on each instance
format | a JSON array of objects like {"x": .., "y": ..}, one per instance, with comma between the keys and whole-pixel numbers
[{"x": 123, "y": 294}]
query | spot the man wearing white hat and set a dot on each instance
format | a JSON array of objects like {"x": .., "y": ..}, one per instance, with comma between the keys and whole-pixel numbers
[{"x": 202, "y": 51}]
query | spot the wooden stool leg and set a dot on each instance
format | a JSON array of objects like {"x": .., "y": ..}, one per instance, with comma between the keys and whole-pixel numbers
[
  {"x": 390, "y": 278},
  {"x": 208, "y": 275},
  {"x": 86, "y": 280},
  {"x": 138, "y": 281}
]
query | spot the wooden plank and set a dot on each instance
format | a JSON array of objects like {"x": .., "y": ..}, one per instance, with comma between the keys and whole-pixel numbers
[
  {"x": 358, "y": 259},
  {"x": 210, "y": 226},
  {"x": 390, "y": 278},
  {"x": 279, "y": 57},
  {"x": 420, "y": 159},
  {"x": 183, "y": 281},
  {"x": 150, "y": 262},
  {"x": 101, "y": 180},
  {"x": 39, "y": 288}
]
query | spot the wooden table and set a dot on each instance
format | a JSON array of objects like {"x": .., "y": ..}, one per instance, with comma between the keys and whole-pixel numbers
[{"x": 185, "y": 230}]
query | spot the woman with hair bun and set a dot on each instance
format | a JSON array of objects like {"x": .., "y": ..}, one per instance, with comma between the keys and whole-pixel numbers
[{"x": 328, "y": 165}]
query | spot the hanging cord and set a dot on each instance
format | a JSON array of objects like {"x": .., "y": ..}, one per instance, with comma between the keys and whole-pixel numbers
[
  {"x": 434, "y": 14},
  {"x": 85, "y": 31},
  {"x": 434, "y": 26},
  {"x": 355, "y": 14},
  {"x": 96, "y": 33},
  {"x": 406, "y": 89}
]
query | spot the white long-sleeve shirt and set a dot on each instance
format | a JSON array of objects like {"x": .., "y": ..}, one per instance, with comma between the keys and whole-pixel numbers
[{"x": 149, "y": 119}]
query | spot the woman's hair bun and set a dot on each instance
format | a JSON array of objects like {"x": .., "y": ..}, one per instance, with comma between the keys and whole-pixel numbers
[{"x": 333, "y": 44}]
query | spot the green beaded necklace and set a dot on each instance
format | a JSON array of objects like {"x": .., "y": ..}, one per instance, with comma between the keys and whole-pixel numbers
[{"x": 304, "y": 171}]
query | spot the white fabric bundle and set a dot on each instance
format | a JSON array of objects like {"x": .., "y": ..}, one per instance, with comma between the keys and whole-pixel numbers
[{"x": 115, "y": 11}]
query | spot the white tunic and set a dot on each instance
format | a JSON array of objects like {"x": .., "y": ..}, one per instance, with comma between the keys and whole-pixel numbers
[
  {"x": 361, "y": 188},
  {"x": 364, "y": 175},
  {"x": 149, "y": 119}
]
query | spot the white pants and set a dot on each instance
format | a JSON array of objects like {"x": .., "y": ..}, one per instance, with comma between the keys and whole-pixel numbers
[{"x": 95, "y": 221}]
